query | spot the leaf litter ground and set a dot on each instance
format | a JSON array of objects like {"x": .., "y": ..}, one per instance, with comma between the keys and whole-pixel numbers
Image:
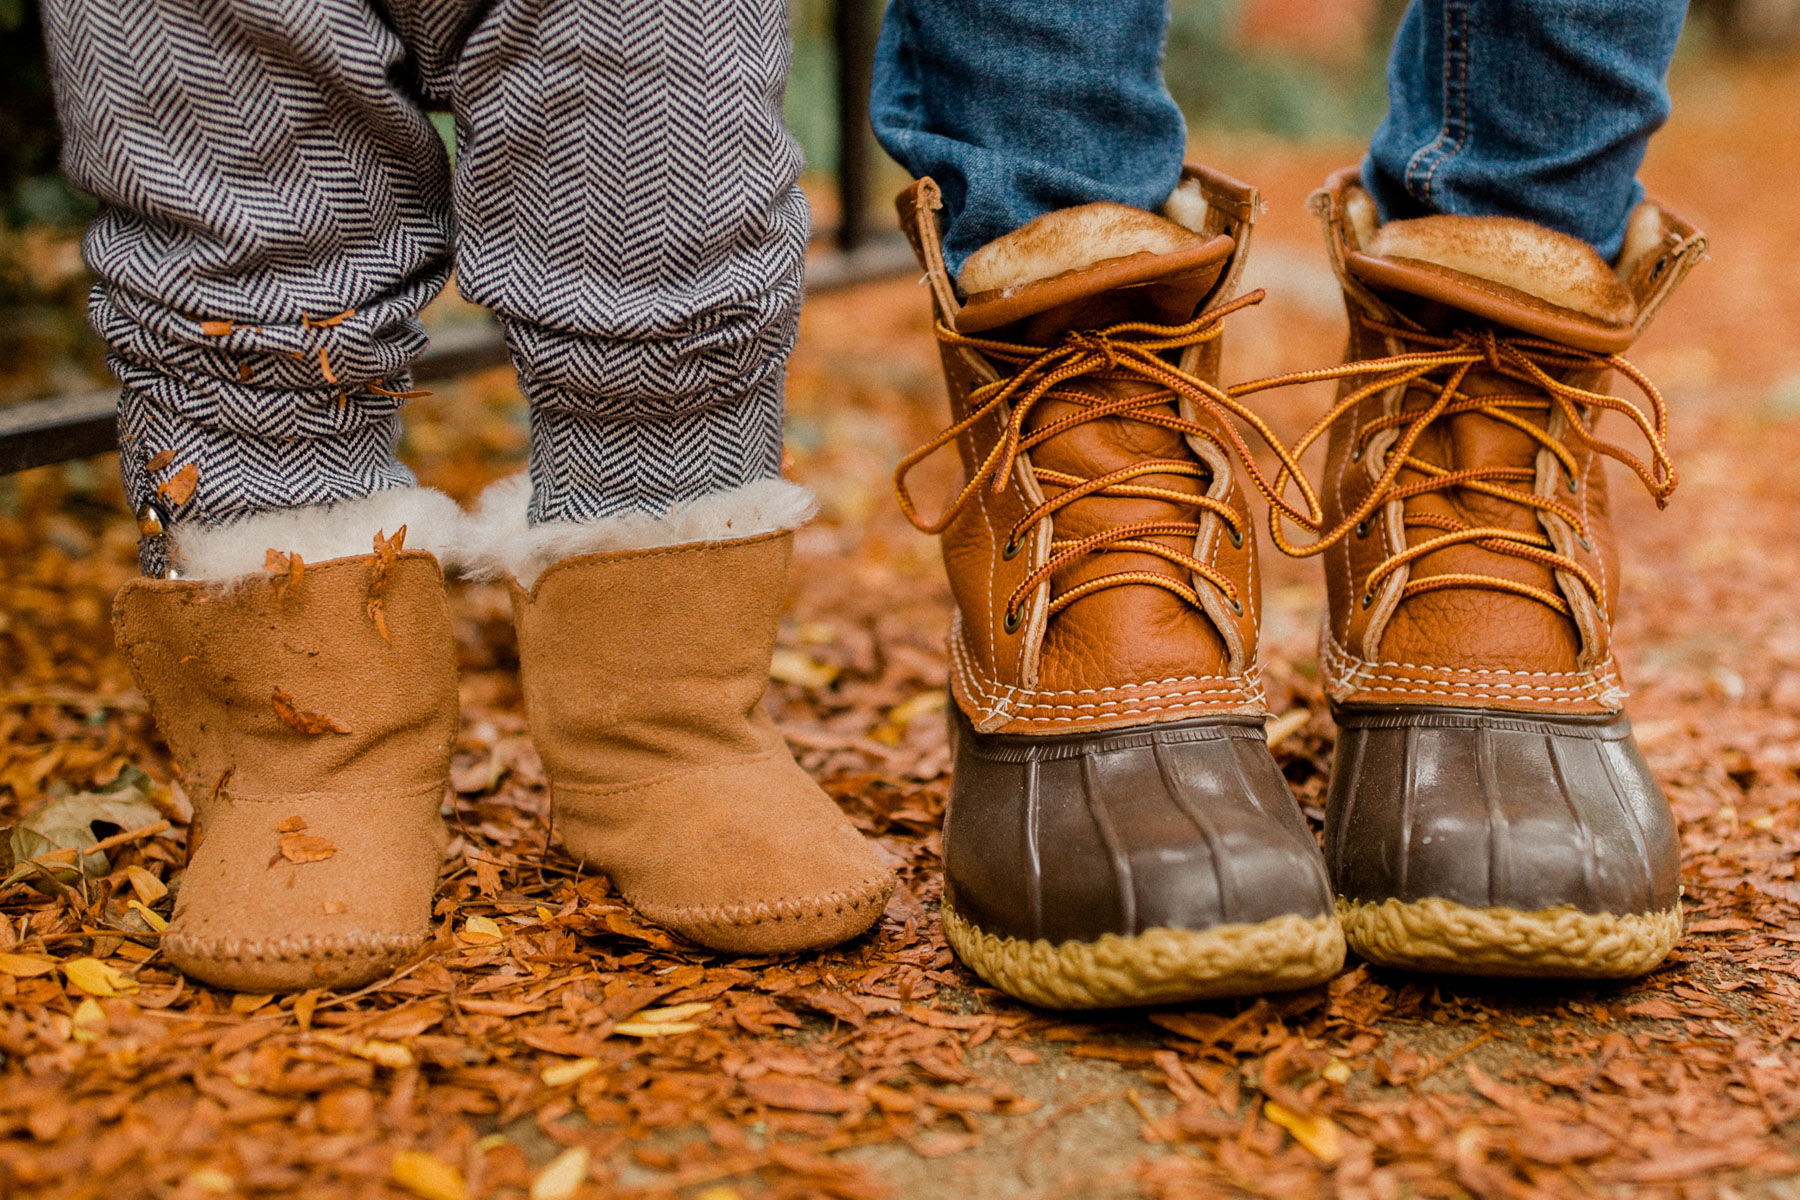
[{"x": 555, "y": 1045}]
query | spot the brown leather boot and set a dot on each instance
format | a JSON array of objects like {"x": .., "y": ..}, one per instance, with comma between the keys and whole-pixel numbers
[
  {"x": 1489, "y": 811},
  {"x": 316, "y": 749},
  {"x": 1118, "y": 832},
  {"x": 644, "y": 669}
]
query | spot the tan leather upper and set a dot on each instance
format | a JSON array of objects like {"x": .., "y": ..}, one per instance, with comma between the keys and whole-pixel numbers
[
  {"x": 1125, "y": 655},
  {"x": 1475, "y": 646}
]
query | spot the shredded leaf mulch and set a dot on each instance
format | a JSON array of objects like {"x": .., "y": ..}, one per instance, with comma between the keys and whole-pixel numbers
[{"x": 555, "y": 1045}]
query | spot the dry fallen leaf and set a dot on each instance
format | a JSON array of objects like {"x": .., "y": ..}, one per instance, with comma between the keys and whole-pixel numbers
[
  {"x": 662, "y": 1022},
  {"x": 562, "y": 1175},
  {"x": 97, "y": 979},
  {"x": 89, "y": 1021},
  {"x": 305, "y": 722},
  {"x": 305, "y": 848},
  {"x": 791, "y": 666},
  {"x": 290, "y": 824},
  {"x": 291, "y": 568},
  {"x": 1317, "y": 1134},
  {"x": 150, "y": 916},
  {"x": 564, "y": 1073},
  {"x": 159, "y": 460},
  {"x": 332, "y": 908},
  {"x": 26, "y": 966},
  {"x": 481, "y": 931},
  {"x": 387, "y": 550},
  {"x": 428, "y": 1177},
  {"x": 146, "y": 886},
  {"x": 178, "y": 489}
]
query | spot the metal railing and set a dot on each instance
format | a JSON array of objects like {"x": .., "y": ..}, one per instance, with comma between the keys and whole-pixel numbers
[{"x": 39, "y": 433}]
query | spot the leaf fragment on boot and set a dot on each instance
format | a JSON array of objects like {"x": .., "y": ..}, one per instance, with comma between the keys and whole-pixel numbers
[
  {"x": 178, "y": 489},
  {"x": 306, "y": 848},
  {"x": 312, "y": 723},
  {"x": 290, "y": 566},
  {"x": 386, "y": 551}
]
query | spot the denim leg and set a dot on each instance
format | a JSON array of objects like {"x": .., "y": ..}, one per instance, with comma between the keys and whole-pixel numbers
[
  {"x": 274, "y": 211},
  {"x": 1020, "y": 107},
  {"x": 627, "y": 203},
  {"x": 1539, "y": 109}
]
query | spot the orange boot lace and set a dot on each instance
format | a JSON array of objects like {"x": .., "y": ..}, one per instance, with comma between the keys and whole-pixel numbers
[
  {"x": 1128, "y": 352},
  {"x": 1439, "y": 367}
]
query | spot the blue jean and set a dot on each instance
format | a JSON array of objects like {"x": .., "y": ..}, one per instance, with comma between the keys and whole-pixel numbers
[{"x": 1539, "y": 109}]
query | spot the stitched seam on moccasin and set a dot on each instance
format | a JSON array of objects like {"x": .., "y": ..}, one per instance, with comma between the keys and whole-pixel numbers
[
  {"x": 299, "y": 946},
  {"x": 799, "y": 909},
  {"x": 359, "y": 795}
]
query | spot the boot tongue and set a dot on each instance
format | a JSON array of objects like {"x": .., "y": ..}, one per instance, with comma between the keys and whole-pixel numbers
[
  {"x": 1082, "y": 269},
  {"x": 1508, "y": 272}
]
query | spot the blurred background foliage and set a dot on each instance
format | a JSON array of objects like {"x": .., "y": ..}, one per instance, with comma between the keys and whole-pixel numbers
[{"x": 1292, "y": 69}]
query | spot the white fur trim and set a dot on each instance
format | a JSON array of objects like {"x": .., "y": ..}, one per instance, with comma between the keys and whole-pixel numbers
[
  {"x": 317, "y": 532},
  {"x": 1071, "y": 239},
  {"x": 1643, "y": 237},
  {"x": 1187, "y": 206},
  {"x": 499, "y": 541},
  {"x": 1540, "y": 262}
]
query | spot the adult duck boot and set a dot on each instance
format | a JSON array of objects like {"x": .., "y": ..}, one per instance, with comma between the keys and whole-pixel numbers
[
  {"x": 1118, "y": 833},
  {"x": 1489, "y": 812},
  {"x": 311, "y": 712},
  {"x": 644, "y": 650}
]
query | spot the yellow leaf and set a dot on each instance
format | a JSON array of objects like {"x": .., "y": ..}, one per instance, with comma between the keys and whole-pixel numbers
[
  {"x": 386, "y": 1054},
  {"x": 97, "y": 979},
  {"x": 207, "y": 1179},
  {"x": 492, "y": 1141},
  {"x": 651, "y": 1029},
  {"x": 558, "y": 1074},
  {"x": 562, "y": 1175},
  {"x": 148, "y": 887},
  {"x": 481, "y": 931},
  {"x": 304, "y": 1004},
  {"x": 1319, "y": 1135},
  {"x": 1281, "y": 728},
  {"x": 145, "y": 911},
  {"x": 249, "y": 1002},
  {"x": 679, "y": 1012},
  {"x": 1338, "y": 1071},
  {"x": 790, "y": 666},
  {"x": 90, "y": 1020},
  {"x": 428, "y": 1177},
  {"x": 24, "y": 966},
  {"x": 720, "y": 1192},
  {"x": 890, "y": 731}
]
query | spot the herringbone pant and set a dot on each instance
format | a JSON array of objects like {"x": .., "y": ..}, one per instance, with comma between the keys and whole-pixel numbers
[{"x": 276, "y": 208}]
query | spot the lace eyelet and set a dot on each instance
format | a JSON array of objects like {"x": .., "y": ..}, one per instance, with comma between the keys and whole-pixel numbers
[
  {"x": 1368, "y": 598},
  {"x": 1237, "y": 608},
  {"x": 1582, "y": 541},
  {"x": 1569, "y": 482},
  {"x": 1011, "y": 550},
  {"x": 1362, "y": 528},
  {"x": 1011, "y": 621},
  {"x": 1236, "y": 535},
  {"x": 1356, "y": 453}
]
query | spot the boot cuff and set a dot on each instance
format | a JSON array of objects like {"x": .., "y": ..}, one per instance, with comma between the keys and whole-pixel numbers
[
  {"x": 318, "y": 532},
  {"x": 1551, "y": 266},
  {"x": 500, "y": 541},
  {"x": 1074, "y": 239}
]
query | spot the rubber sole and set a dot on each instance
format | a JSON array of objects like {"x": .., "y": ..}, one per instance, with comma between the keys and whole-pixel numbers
[
  {"x": 1553, "y": 943},
  {"x": 1158, "y": 966}
]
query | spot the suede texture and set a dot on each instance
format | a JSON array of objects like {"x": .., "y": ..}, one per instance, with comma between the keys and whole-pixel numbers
[
  {"x": 644, "y": 673},
  {"x": 316, "y": 842}
]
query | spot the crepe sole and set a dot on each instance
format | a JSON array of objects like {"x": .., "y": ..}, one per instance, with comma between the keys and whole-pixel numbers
[
  {"x": 1559, "y": 943},
  {"x": 1158, "y": 966}
]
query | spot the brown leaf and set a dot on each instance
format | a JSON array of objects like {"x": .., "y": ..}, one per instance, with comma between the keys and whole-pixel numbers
[
  {"x": 386, "y": 551},
  {"x": 292, "y": 566},
  {"x": 178, "y": 489},
  {"x": 302, "y": 721},
  {"x": 160, "y": 460},
  {"x": 305, "y": 848},
  {"x": 290, "y": 824},
  {"x": 802, "y": 1095}
]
